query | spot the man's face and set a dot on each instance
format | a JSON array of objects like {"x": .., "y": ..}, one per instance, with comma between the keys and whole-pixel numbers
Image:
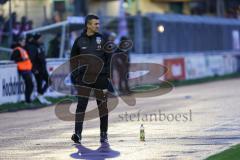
[
  {"x": 93, "y": 25},
  {"x": 22, "y": 42}
]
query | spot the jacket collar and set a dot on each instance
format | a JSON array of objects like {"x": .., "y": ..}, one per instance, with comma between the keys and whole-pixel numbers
[{"x": 84, "y": 34}]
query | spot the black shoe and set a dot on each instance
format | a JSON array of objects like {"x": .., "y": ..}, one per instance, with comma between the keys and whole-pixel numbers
[
  {"x": 103, "y": 137},
  {"x": 76, "y": 138}
]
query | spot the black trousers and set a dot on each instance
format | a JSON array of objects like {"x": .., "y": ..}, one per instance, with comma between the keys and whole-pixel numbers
[
  {"x": 101, "y": 83},
  {"x": 42, "y": 80},
  {"x": 102, "y": 109},
  {"x": 27, "y": 78}
]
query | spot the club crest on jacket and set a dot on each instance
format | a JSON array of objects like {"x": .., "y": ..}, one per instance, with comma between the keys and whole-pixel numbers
[{"x": 98, "y": 40}]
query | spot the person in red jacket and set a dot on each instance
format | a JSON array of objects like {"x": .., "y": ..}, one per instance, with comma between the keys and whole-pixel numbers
[{"x": 24, "y": 66}]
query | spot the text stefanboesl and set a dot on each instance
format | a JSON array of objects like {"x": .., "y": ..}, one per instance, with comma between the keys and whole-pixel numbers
[{"x": 156, "y": 116}]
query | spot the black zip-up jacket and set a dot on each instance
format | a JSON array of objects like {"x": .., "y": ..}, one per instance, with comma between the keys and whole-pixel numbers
[
  {"x": 90, "y": 45},
  {"x": 37, "y": 56}
]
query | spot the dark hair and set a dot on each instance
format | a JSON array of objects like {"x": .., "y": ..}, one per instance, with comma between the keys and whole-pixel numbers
[
  {"x": 29, "y": 37},
  {"x": 20, "y": 39},
  {"x": 89, "y": 18},
  {"x": 36, "y": 36},
  {"x": 124, "y": 38}
]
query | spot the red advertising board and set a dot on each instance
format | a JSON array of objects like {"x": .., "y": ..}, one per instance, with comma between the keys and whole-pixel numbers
[{"x": 176, "y": 69}]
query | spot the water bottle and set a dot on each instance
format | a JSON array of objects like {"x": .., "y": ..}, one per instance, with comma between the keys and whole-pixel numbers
[{"x": 142, "y": 134}]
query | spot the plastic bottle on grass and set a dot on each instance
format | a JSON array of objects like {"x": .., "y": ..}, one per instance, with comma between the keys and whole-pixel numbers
[{"x": 142, "y": 133}]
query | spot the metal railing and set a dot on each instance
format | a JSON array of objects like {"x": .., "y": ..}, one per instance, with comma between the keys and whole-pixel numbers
[{"x": 5, "y": 53}]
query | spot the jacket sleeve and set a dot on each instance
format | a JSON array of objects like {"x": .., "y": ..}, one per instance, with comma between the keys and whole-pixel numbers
[
  {"x": 41, "y": 60},
  {"x": 107, "y": 57},
  {"x": 16, "y": 56},
  {"x": 108, "y": 64},
  {"x": 73, "y": 62}
]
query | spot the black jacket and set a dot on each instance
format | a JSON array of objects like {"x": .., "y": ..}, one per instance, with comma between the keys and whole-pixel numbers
[
  {"x": 91, "y": 45},
  {"x": 37, "y": 55}
]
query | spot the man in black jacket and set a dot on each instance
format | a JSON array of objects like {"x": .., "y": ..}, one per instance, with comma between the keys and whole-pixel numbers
[
  {"x": 37, "y": 55},
  {"x": 90, "y": 45}
]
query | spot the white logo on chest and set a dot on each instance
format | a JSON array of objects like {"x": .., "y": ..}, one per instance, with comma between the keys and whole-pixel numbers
[{"x": 98, "y": 40}]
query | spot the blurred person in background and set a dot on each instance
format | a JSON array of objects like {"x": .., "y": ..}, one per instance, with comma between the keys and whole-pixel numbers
[
  {"x": 36, "y": 52},
  {"x": 120, "y": 61},
  {"x": 56, "y": 17},
  {"x": 6, "y": 28},
  {"x": 29, "y": 25},
  {"x": 54, "y": 47},
  {"x": 111, "y": 37},
  {"x": 2, "y": 21},
  {"x": 23, "y": 23},
  {"x": 24, "y": 66},
  {"x": 16, "y": 31},
  {"x": 123, "y": 65},
  {"x": 14, "y": 20}
]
